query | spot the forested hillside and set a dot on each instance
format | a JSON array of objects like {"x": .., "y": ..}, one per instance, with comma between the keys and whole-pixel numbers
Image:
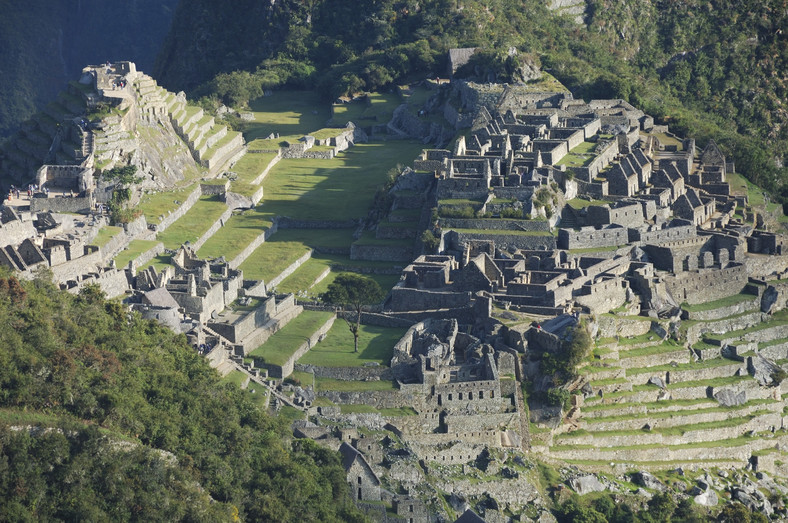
[
  {"x": 710, "y": 69},
  {"x": 107, "y": 417},
  {"x": 46, "y": 44}
]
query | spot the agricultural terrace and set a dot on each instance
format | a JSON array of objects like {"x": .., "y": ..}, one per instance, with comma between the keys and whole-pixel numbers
[
  {"x": 238, "y": 232},
  {"x": 193, "y": 224},
  {"x": 156, "y": 206},
  {"x": 134, "y": 249},
  {"x": 284, "y": 343},
  {"x": 288, "y": 113}
]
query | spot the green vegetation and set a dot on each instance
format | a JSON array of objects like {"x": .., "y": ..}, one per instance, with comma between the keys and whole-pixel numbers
[
  {"x": 374, "y": 109},
  {"x": 354, "y": 292},
  {"x": 283, "y": 343},
  {"x": 134, "y": 249},
  {"x": 143, "y": 421},
  {"x": 336, "y": 350},
  {"x": 722, "y": 302},
  {"x": 193, "y": 224},
  {"x": 156, "y": 206},
  {"x": 238, "y": 232},
  {"x": 105, "y": 234},
  {"x": 339, "y": 189}
]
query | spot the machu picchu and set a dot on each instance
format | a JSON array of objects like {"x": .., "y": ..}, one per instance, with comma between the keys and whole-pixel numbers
[{"x": 577, "y": 302}]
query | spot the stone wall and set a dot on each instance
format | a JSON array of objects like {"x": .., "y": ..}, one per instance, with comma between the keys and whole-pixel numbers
[
  {"x": 218, "y": 224},
  {"x": 611, "y": 326},
  {"x": 348, "y": 373},
  {"x": 253, "y": 245},
  {"x": 146, "y": 256},
  {"x": 82, "y": 205},
  {"x": 289, "y": 270},
  {"x": 605, "y": 155},
  {"x": 504, "y": 241},
  {"x": 384, "y": 399},
  {"x": 702, "y": 286},
  {"x": 406, "y": 299},
  {"x": 17, "y": 231},
  {"x": 286, "y": 369},
  {"x": 497, "y": 224},
  {"x": 260, "y": 177},
  {"x": 182, "y": 209},
  {"x": 381, "y": 253}
]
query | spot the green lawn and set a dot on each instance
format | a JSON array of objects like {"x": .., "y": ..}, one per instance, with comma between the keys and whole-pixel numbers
[
  {"x": 237, "y": 233},
  {"x": 287, "y": 113},
  {"x": 286, "y": 246},
  {"x": 194, "y": 223},
  {"x": 105, "y": 234},
  {"x": 135, "y": 248},
  {"x": 580, "y": 203},
  {"x": 236, "y": 377},
  {"x": 368, "y": 238},
  {"x": 375, "y": 344},
  {"x": 376, "y": 110},
  {"x": 342, "y": 188},
  {"x": 155, "y": 206},
  {"x": 386, "y": 282},
  {"x": 580, "y": 156},
  {"x": 283, "y": 343},
  {"x": 249, "y": 167}
]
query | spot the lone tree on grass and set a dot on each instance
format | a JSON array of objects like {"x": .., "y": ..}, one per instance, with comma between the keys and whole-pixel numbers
[{"x": 354, "y": 292}]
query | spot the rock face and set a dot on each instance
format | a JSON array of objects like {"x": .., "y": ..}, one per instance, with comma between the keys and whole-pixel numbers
[
  {"x": 730, "y": 398},
  {"x": 769, "y": 299},
  {"x": 586, "y": 484},
  {"x": 647, "y": 480}
]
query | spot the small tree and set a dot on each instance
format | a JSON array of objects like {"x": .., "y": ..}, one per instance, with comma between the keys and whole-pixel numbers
[{"x": 353, "y": 291}]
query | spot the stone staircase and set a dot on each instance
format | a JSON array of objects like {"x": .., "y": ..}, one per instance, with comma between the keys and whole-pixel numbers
[{"x": 212, "y": 145}]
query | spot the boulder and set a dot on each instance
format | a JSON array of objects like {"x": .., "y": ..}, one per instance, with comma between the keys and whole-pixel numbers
[
  {"x": 707, "y": 499},
  {"x": 730, "y": 397},
  {"x": 659, "y": 330},
  {"x": 747, "y": 500},
  {"x": 647, "y": 480},
  {"x": 237, "y": 201},
  {"x": 656, "y": 380},
  {"x": 761, "y": 369},
  {"x": 586, "y": 484},
  {"x": 769, "y": 299}
]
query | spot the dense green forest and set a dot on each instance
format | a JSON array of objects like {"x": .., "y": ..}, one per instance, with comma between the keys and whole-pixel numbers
[
  {"x": 107, "y": 417},
  {"x": 45, "y": 44},
  {"x": 711, "y": 69}
]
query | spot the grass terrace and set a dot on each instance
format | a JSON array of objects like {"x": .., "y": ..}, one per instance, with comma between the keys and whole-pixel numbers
[
  {"x": 283, "y": 343},
  {"x": 705, "y": 364},
  {"x": 779, "y": 318},
  {"x": 286, "y": 246},
  {"x": 193, "y": 224},
  {"x": 722, "y": 302},
  {"x": 286, "y": 113},
  {"x": 134, "y": 249},
  {"x": 368, "y": 238},
  {"x": 580, "y": 203},
  {"x": 375, "y": 344},
  {"x": 230, "y": 136},
  {"x": 386, "y": 281},
  {"x": 105, "y": 234},
  {"x": 325, "y": 133},
  {"x": 580, "y": 156},
  {"x": 155, "y": 206},
  {"x": 342, "y": 188},
  {"x": 236, "y": 234},
  {"x": 249, "y": 167}
]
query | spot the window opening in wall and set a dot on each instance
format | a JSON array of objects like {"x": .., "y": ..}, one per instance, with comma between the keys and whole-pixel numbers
[
  {"x": 359, "y": 493},
  {"x": 359, "y": 480},
  {"x": 459, "y": 395}
]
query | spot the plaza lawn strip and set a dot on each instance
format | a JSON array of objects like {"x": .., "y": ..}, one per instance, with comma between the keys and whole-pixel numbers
[
  {"x": 580, "y": 203},
  {"x": 339, "y": 189},
  {"x": 283, "y": 343},
  {"x": 193, "y": 224},
  {"x": 375, "y": 345},
  {"x": 155, "y": 206},
  {"x": 238, "y": 232},
  {"x": 105, "y": 234},
  {"x": 353, "y": 386},
  {"x": 134, "y": 249},
  {"x": 286, "y": 113}
]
